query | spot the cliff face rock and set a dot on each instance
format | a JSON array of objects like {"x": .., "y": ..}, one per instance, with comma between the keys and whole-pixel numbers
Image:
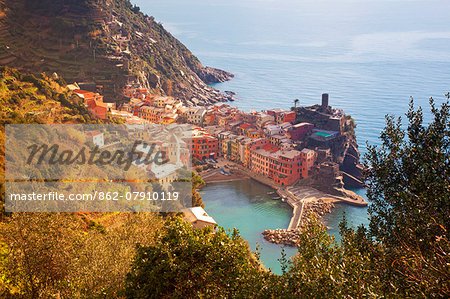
[
  {"x": 108, "y": 42},
  {"x": 352, "y": 169},
  {"x": 213, "y": 75}
]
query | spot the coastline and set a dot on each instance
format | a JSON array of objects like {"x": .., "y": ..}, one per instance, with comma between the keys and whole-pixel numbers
[{"x": 302, "y": 199}]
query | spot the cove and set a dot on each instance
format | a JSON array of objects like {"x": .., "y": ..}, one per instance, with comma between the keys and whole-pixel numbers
[{"x": 248, "y": 206}]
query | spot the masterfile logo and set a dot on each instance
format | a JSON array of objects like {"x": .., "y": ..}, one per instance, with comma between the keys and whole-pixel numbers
[{"x": 101, "y": 168}]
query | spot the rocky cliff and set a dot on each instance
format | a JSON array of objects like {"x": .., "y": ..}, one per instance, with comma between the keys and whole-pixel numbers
[
  {"x": 106, "y": 42},
  {"x": 344, "y": 148},
  {"x": 346, "y": 154}
]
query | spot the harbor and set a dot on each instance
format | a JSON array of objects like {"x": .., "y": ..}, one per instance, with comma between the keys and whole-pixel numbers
[
  {"x": 303, "y": 200},
  {"x": 249, "y": 206}
]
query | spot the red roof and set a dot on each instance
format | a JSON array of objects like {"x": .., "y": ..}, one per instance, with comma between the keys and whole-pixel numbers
[
  {"x": 246, "y": 125},
  {"x": 81, "y": 91},
  {"x": 270, "y": 148},
  {"x": 93, "y": 133}
]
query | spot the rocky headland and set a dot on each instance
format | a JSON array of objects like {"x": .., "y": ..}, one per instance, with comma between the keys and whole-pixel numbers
[
  {"x": 105, "y": 44},
  {"x": 212, "y": 75}
]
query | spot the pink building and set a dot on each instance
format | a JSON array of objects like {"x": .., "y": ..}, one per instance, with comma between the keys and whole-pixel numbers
[
  {"x": 308, "y": 158},
  {"x": 261, "y": 159},
  {"x": 299, "y": 131}
]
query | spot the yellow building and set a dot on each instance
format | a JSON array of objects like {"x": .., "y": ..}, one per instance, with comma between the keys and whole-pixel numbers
[
  {"x": 169, "y": 118},
  {"x": 254, "y": 134},
  {"x": 234, "y": 149}
]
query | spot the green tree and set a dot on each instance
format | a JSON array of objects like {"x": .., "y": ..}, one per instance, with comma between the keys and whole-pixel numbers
[
  {"x": 197, "y": 183},
  {"x": 409, "y": 188},
  {"x": 410, "y": 179},
  {"x": 323, "y": 268},
  {"x": 188, "y": 263}
]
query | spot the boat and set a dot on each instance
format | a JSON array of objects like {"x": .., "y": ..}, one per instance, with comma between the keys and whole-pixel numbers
[{"x": 276, "y": 198}]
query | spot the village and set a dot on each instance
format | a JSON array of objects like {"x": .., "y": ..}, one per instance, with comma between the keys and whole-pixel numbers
[
  {"x": 272, "y": 147},
  {"x": 267, "y": 142}
]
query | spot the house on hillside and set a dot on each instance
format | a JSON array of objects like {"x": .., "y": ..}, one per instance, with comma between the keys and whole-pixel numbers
[
  {"x": 198, "y": 217},
  {"x": 96, "y": 137}
]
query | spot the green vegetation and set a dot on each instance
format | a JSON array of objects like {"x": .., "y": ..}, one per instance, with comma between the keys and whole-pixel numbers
[
  {"x": 34, "y": 99},
  {"x": 410, "y": 194},
  {"x": 50, "y": 254},
  {"x": 403, "y": 253},
  {"x": 28, "y": 98},
  {"x": 78, "y": 39},
  {"x": 350, "y": 125},
  {"x": 197, "y": 183},
  {"x": 188, "y": 263}
]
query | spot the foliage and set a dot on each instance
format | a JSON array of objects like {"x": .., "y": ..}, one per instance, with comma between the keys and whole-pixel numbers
[
  {"x": 349, "y": 125},
  {"x": 197, "y": 183},
  {"x": 410, "y": 193},
  {"x": 66, "y": 255},
  {"x": 188, "y": 263},
  {"x": 323, "y": 268},
  {"x": 34, "y": 99}
]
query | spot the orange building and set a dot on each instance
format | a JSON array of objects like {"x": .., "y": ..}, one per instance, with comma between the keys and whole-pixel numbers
[
  {"x": 98, "y": 109},
  {"x": 94, "y": 103},
  {"x": 202, "y": 145},
  {"x": 308, "y": 158},
  {"x": 261, "y": 159},
  {"x": 285, "y": 167}
]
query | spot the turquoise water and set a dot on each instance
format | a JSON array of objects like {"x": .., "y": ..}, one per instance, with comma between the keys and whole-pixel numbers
[
  {"x": 355, "y": 216},
  {"x": 370, "y": 56},
  {"x": 247, "y": 206}
]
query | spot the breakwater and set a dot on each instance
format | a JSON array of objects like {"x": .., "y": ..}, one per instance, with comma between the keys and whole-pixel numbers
[
  {"x": 291, "y": 236},
  {"x": 303, "y": 199}
]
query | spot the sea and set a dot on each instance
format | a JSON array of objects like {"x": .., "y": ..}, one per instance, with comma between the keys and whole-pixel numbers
[{"x": 372, "y": 57}]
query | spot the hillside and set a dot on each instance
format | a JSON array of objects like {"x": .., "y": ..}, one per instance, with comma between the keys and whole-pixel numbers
[
  {"x": 106, "y": 42},
  {"x": 35, "y": 99},
  {"x": 28, "y": 98}
]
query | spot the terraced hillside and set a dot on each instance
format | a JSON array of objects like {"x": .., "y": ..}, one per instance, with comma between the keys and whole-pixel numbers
[
  {"x": 27, "y": 98},
  {"x": 34, "y": 99},
  {"x": 106, "y": 42}
]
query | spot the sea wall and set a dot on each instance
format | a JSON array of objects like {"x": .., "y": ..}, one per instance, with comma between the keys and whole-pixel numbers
[{"x": 292, "y": 237}]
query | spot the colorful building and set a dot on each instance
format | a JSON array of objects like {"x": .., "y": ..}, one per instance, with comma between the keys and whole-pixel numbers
[
  {"x": 94, "y": 103},
  {"x": 261, "y": 159},
  {"x": 299, "y": 131},
  {"x": 308, "y": 158},
  {"x": 282, "y": 115},
  {"x": 285, "y": 167},
  {"x": 202, "y": 145},
  {"x": 286, "y": 117}
]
